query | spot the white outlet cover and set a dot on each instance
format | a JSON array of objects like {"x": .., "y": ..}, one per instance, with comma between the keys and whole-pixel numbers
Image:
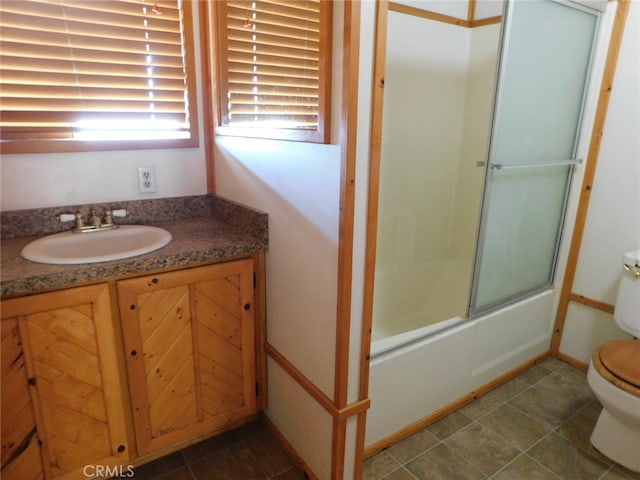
[{"x": 147, "y": 179}]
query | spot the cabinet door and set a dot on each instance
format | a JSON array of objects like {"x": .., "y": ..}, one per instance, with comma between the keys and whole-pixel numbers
[
  {"x": 70, "y": 354},
  {"x": 21, "y": 459},
  {"x": 189, "y": 340}
]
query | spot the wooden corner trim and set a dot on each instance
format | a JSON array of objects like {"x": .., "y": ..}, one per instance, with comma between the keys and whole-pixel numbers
[
  {"x": 590, "y": 302},
  {"x": 339, "y": 414},
  {"x": 469, "y": 22}
]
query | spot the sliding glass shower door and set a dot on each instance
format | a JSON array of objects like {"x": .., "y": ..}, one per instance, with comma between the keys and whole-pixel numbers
[{"x": 546, "y": 56}]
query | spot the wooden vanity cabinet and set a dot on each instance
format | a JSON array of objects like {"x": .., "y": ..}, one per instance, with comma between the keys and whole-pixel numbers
[
  {"x": 20, "y": 445},
  {"x": 190, "y": 351},
  {"x": 63, "y": 402}
]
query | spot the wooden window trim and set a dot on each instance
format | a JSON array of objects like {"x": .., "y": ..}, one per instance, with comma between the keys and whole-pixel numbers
[{"x": 323, "y": 132}]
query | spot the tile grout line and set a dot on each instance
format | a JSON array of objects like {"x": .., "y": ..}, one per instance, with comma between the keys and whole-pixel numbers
[
  {"x": 524, "y": 454},
  {"x": 243, "y": 441},
  {"x": 400, "y": 467},
  {"x": 403, "y": 464},
  {"x": 193, "y": 475}
]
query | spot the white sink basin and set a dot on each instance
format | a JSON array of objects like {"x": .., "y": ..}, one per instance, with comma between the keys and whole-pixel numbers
[{"x": 69, "y": 248}]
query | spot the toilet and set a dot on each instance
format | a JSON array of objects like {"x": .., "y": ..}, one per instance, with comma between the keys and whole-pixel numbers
[{"x": 614, "y": 377}]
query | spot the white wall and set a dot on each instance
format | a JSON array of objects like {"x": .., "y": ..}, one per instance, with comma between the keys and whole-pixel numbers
[
  {"x": 453, "y": 8},
  {"x": 298, "y": 185},
  {"x": 488, "y": 8},
  {"x": 48, "y": 180},
  {"x": 613, "y": 222}
]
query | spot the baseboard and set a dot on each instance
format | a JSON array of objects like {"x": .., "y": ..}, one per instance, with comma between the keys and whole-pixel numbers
[{"x": 574, "y": 362}]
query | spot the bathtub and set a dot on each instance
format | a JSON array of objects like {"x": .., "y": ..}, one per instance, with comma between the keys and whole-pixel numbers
[{"x": 417, "y": 372}]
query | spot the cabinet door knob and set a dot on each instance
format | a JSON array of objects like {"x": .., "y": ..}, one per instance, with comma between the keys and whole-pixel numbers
[
  {"x": 134, "y": 353},
  {"x": 247, "y": 306},
  {"x": 121, "y": 448}
]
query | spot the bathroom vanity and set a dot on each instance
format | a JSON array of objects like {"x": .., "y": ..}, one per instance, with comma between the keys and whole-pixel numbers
[{"x": 113, "y": 364}]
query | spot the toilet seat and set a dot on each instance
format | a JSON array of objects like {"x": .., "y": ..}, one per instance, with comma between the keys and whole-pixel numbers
[{"x": 619, "y": 363}]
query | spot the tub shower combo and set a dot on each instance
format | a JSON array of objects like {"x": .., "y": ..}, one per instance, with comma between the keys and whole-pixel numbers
[{"x": 481, "y": 137}]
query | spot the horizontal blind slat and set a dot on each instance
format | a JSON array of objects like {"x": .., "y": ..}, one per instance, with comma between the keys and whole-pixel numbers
[
  {"x": 251, "y": 58},
  {"x": 85, "y": 56},
  {"x": 46, "y": 119},
  {"x": 297, "y": 10},
  {"x": 25, "y": 94},
  {"x": 86, "y": 105},
  {"x": 18, "y": 80},
  {"x": 270, "y": 82},
  {"x": 90, "y": 37},
  {"x": 41, "y": 40},
  {"x": 283, "y": 92},
  {"x": 275, "y": 105},
  {"x": 280, "y": 96},
  {"x": 265, "y": 41},
  {"x": 253, "y": 20},
  {"x": 39, "y": 71},
  {"x": 267, "y": 72},
  {"x": 66, "y": 21},
  {"x": 242, "y": 50}
]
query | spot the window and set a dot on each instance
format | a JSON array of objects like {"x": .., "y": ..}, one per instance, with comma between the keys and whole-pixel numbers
[
  {"x": 274, "y": 60},
  {"x": 99, "y": 74}
]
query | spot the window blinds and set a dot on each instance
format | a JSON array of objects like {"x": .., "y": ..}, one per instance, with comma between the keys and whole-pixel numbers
[
  {"x": 74, "y": 65},
  {"x": 274, "y": 63}
]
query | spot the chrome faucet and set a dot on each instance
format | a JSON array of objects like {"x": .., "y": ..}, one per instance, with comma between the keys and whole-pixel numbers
[{"x": 94, "y": 222}]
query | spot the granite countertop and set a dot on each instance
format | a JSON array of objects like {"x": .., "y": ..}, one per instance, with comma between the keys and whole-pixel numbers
[{"x": 196, "y": 241}]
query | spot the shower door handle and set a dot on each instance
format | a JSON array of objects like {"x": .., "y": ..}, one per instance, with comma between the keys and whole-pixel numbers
[{"x": 480, "y": 163}]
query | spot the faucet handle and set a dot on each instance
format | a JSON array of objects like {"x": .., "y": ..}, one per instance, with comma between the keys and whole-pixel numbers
[
  {"x": 120, "y": 212},
  {"x": 108, "y": 217},
  {"x": 66, "y": 217},
  {"x": 79, "y": 221}
]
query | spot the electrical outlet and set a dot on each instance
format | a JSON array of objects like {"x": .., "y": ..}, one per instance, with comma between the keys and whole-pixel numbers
[{"x": 147, "y": 179}]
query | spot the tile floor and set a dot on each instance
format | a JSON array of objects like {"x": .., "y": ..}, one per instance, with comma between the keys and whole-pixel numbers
[
  {"x": 250, "y": 452},
  {"x": 534, "y": 427}
]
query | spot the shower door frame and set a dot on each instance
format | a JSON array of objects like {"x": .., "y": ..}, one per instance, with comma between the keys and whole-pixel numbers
[{"x": 489, "y": 165}]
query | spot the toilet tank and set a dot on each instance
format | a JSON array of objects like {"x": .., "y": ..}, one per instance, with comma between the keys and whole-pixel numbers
[{"x": 627, "y": 309}]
